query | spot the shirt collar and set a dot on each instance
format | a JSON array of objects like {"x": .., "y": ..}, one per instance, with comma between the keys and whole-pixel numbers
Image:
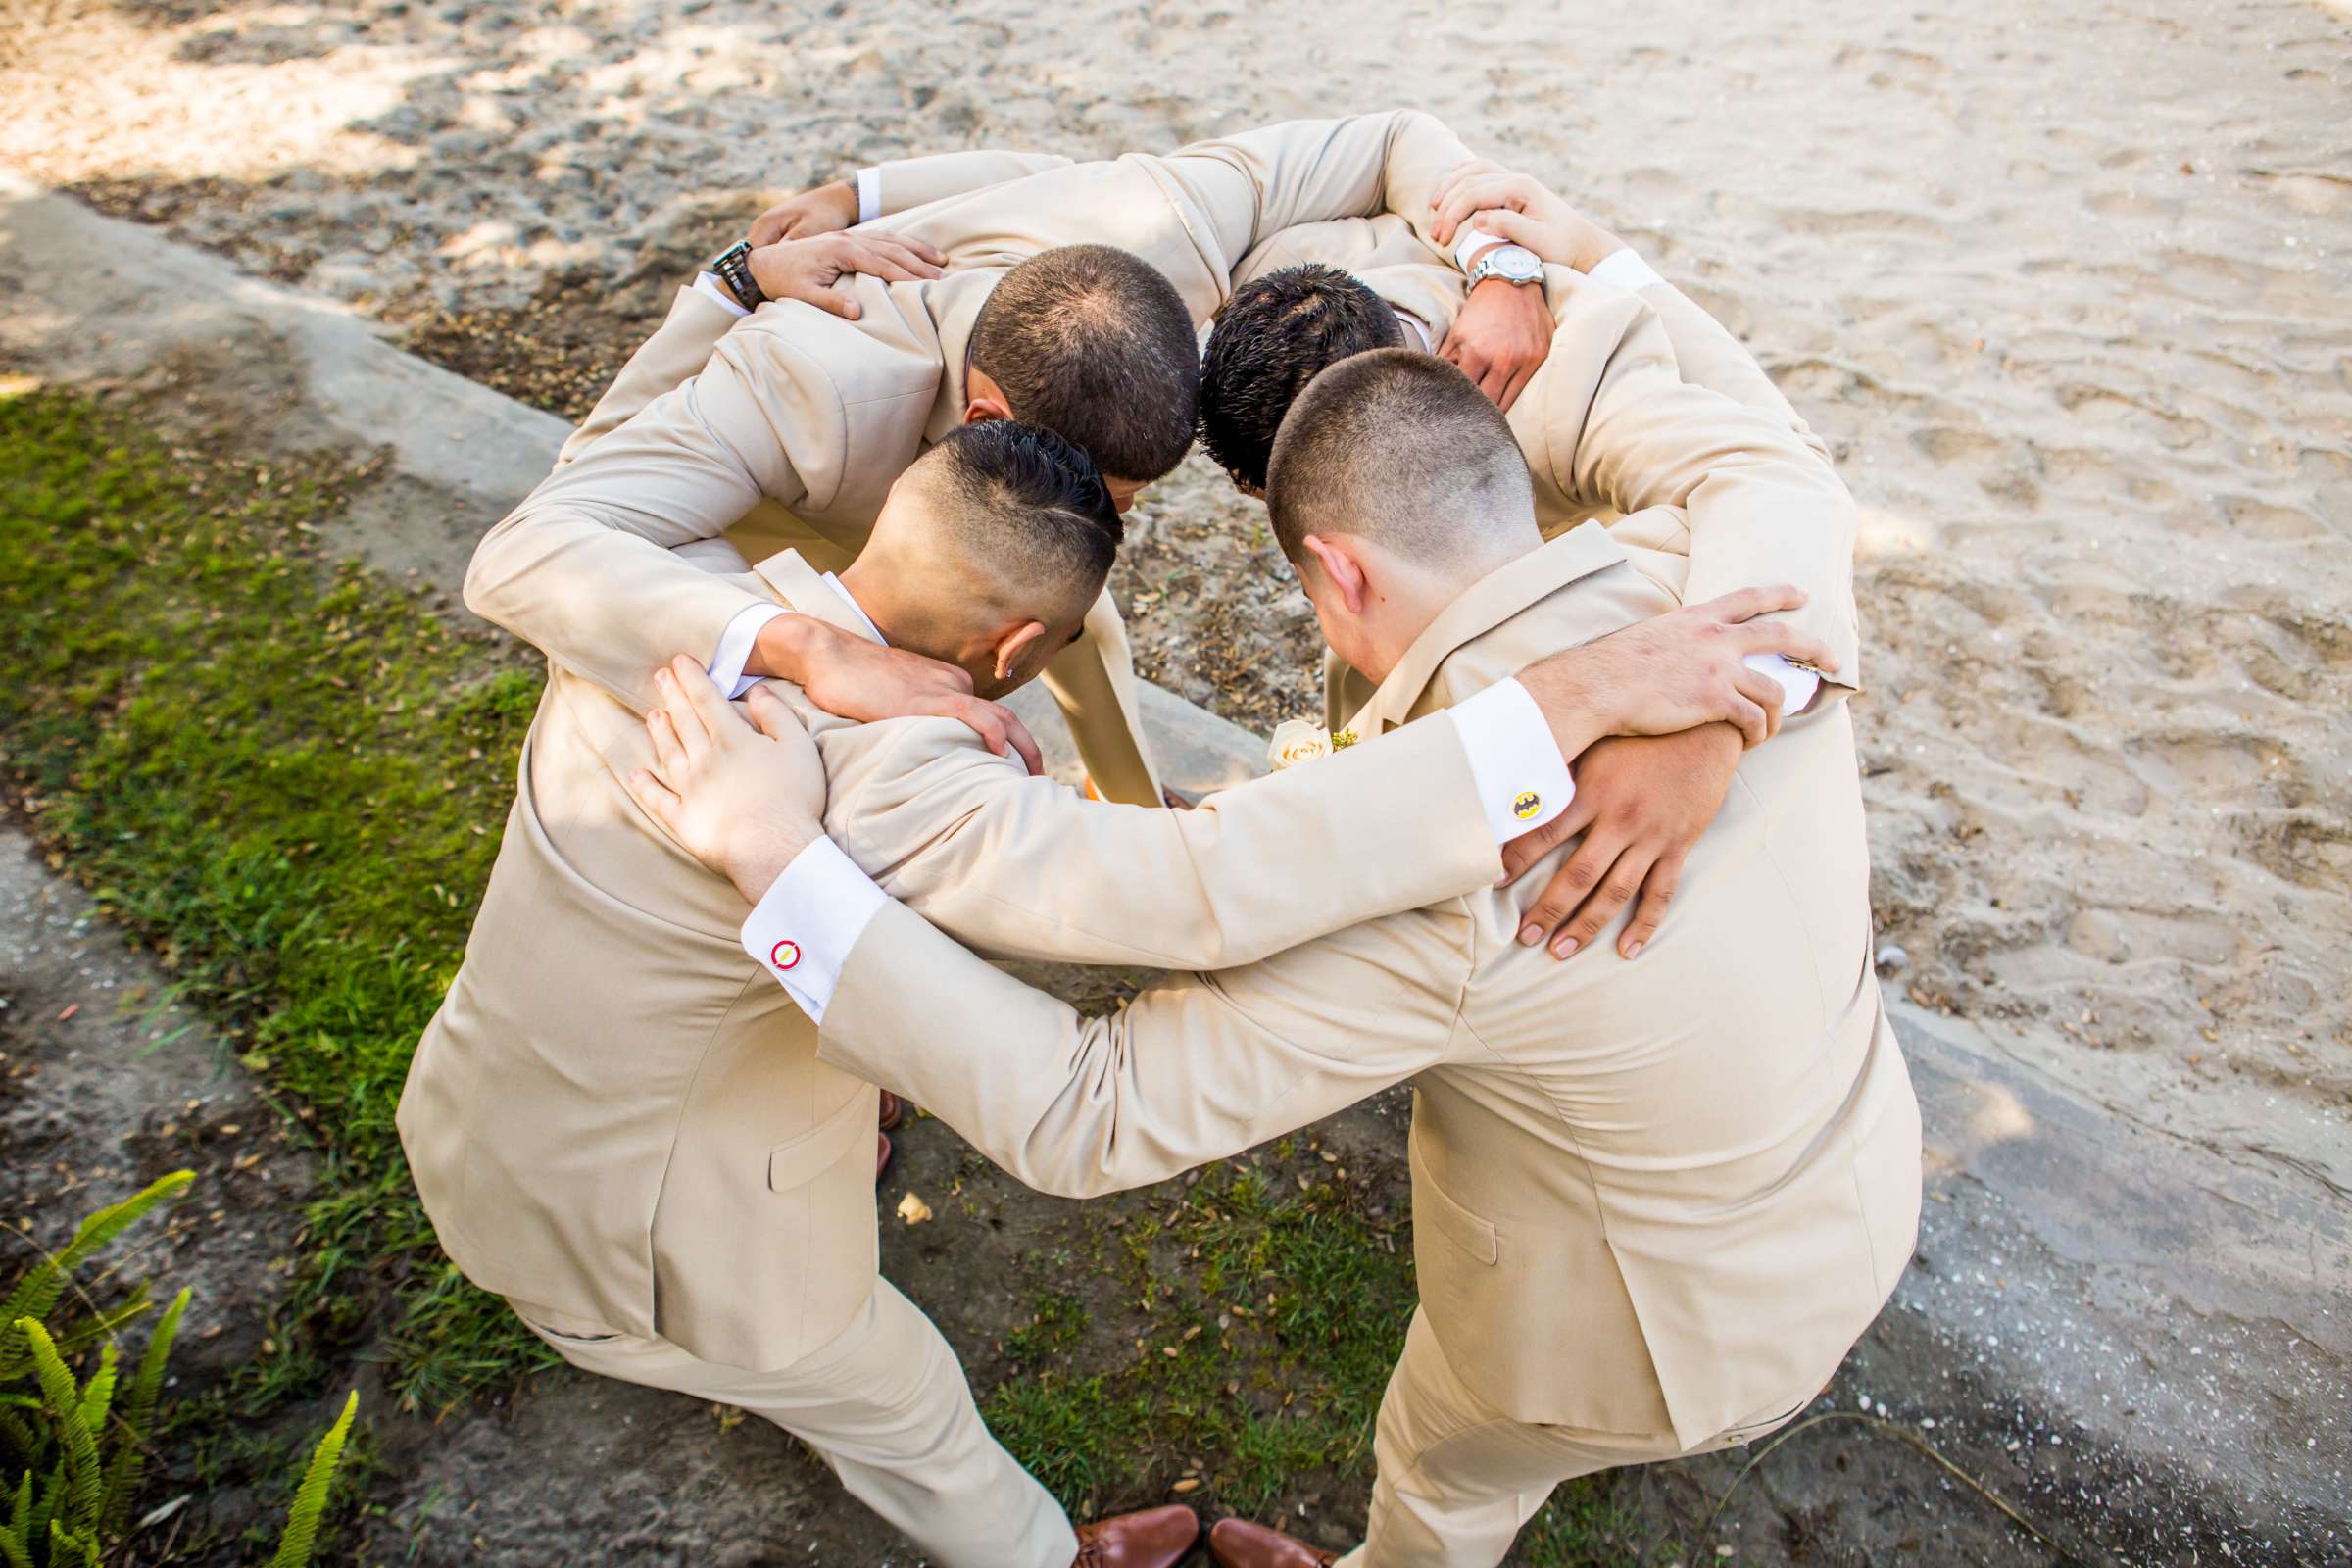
[{"x": 856, "y": 609}]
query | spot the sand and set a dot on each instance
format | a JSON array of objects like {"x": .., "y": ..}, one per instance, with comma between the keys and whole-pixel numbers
[{"x": 2065, "y": 286}]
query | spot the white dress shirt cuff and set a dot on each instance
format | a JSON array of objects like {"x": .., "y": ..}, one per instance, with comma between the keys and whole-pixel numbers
[
  {"x": 1623, "y": 268},
  {"x": 869, "y": 195},
  {"x": 708, "y": 283},
  {"x": 802, "y": 930},
  {"x": 1521, "y": 777},
  {"x": 735, "y": 646},
  {"x": 1417, "y": 329},
  {"x": 1469, "y": 242},
  {"x": 1797, "y": 681}
]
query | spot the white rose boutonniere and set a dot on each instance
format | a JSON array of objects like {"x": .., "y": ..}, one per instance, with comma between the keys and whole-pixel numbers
[{"x": 1297, "y": 741}]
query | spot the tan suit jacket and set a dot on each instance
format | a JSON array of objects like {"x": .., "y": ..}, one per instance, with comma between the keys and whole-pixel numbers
[
  {"x": 820, "y": 415},
  {"x": 617, "y": 1120},
  {"x": 1658, "y": 1195}
]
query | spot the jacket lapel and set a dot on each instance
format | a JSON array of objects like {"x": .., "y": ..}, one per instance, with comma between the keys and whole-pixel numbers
[
  {"x": 1487, "y": 604},
  {"x": 802, "y": 587}
]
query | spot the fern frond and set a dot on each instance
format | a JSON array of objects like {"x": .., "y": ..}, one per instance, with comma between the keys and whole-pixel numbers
[
  {"x": 80, "y": 1458},
  {"x": 16, "y": 1544},
  {"x": 294, "y": 1547},
  {"x": 63, "y": 1541},
  {"x": 98, "y": 1395},
  {"x": 37, "y": 1292},
  {"x": 44, "y": 1504},
  {"x": 137, "y": 1415},
  {"x": 19, "y": 1433}
]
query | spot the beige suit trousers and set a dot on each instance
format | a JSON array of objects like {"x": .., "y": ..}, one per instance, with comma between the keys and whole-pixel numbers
[
  {"x": 887, "y": 1405},
  {"x": 1458, "y": 1478}
]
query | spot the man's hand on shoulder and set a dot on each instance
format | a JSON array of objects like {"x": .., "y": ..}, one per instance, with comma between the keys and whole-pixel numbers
[
  {"x": 1641, "y": 802},
  {"x": 817, "y": 271},
  {"x": 1519, "y": 210},
  {"x": 743, "y": 797},
  {"x": 826, "y": 210},
  {"x": 855, "y": 678}
]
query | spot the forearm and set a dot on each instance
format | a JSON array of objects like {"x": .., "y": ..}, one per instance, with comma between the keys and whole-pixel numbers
[
  {"x": 585, "y": 568},
  {"x": 1026, "y": 868},
  {"x": 1307, "y": 170}
]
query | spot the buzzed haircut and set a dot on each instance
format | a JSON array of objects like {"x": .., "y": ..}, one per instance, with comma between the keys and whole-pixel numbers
[
  {"x": 1399, "y": 447},
  {"x": 1028, "y": 511},
  {"x": 1096, "y": 343},
  {"x": 1272, "y": 338}
]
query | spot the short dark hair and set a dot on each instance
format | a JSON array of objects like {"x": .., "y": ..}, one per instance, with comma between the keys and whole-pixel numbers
[
  {"x": 1401, "y": 447},
  {"x": 1272, "y": 338},
  {"x": 1027, "y": 506},
  {"x": 1095, "y": 343}
]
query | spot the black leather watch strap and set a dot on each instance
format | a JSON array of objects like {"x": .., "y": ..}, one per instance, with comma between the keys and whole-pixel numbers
[{"x": 734, "y": 268}]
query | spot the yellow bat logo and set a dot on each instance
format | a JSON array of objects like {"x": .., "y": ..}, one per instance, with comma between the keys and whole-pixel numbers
[{"x": 1527, "y": 805}]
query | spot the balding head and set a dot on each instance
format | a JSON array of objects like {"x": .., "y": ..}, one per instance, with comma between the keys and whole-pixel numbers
[{"x": 1399, "y": 448}]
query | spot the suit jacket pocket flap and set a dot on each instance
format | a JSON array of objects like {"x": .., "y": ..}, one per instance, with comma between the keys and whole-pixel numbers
[
  {"x": 798, "y": 1162},
  {"x": 1450, "y": 1219}
]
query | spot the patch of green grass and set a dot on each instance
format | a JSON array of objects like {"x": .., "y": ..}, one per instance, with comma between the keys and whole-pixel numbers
[
  {"x": 1255, "y": 1328},
  {"x": 286, "y": 777}
]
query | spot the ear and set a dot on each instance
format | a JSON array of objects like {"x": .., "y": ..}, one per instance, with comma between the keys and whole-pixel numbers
[
  {"x": 983, "y": 399},
  {"x": 1342, "y": 567},
  {"x": 1013, "y": 644}
]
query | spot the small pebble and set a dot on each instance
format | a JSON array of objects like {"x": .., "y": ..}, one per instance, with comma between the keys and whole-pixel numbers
[{"x": 1892, "y": 960}]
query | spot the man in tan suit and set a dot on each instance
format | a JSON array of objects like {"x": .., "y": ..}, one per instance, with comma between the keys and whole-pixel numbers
[
  {"x": 1070, "y": 302},
  {"x": 618, "y": 1124},
  {"x": 1705, "y": 1162},
  {"x": 1756, "y": 497}
]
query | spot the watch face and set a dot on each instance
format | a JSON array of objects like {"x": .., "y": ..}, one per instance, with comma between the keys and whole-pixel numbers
[{"x": 1516, "y": 263}]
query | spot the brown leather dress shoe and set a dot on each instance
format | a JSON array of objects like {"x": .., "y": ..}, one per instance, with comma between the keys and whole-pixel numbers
[
  {"x": 892, "y": 1107},
  {"x": 1156, "y": 1538},
  {"x": 1239, "y": 1543},
  {"x": 881, "y": 1156}
]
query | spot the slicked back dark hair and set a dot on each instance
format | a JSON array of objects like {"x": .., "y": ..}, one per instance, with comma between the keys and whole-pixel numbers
[
  {"x": 1270, "y": 339},
  {"x": 1399, "y": 446},
  {"x": 1028, "y": 504},
  {"x": 1095, "y": 343}
]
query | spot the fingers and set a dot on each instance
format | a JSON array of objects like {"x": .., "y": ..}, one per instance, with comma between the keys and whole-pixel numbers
[
  {"x": 1746, "y": 604},
  {"x": 1568, "y": 890},
  {"x": 920, "y": 257},
  {"x": 1746, "y": 715},
  {"x": 655, "y": 797},
  {"x": 702, "y": 698},
  {"x": 1467, "y": 197},
  {"x": 1023, "y": 743},
  {"x": 668, "y": 756},
  {"x": 840, "y": 299},
  {"x": 772, "y": 717},
  {"x": 767, "y": 227},
  {"x": 1607, "y": 900},
  {"x": 1507, "y": 223},
  {"x": 884, "y": 257},
  {"x": 1787, "y": 639},
  {"x": 692, "y": 733},
  {"x": 1764, "y": 693},
  {"x": 1657, "y": 891},
  {"x": 1517, "y": 385},
  {"x": 1520, "y": 856},
  {"x": 1494, "y": 380}
]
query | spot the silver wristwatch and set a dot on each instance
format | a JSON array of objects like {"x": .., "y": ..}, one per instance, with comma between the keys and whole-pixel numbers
[{"x": 1514, "y": 263}]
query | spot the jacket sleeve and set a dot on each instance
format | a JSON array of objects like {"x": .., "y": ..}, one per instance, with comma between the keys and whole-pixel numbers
[
  {"x": 906, "y": 182},
  {"x": 1617, "y": 423},
  {"x": 584, "y": 570},
  {"x": 1195, "y": 1068},
  {"x": 678, "y": 349},
  {"x": 1710, "y": 357},
  {"x": 1028, "y": 869},
  {"x": 1241, "y": 189}
]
